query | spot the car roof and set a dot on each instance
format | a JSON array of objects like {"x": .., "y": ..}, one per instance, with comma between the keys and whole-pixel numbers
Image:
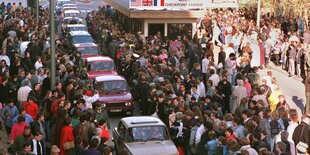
[
  {"x": 72, "y": 11},
  {"x": 70, "y": 8},
  {"x": 76, "y": 25},
  {"x": 79, "y": 33},
  {"x": 81, "y": 45},
  {"x": 110, "y": 78},
  {"x": 98, "y": 58},
  {"x": 137, "y": 121},
  {"x": 69, "y": 4}
]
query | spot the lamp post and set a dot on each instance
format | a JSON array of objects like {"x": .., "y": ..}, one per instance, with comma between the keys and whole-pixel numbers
[
  {"x": 52, "y": 45},
  {"x": 258, "y": 14},
  {"x": 37, "y": 11}
]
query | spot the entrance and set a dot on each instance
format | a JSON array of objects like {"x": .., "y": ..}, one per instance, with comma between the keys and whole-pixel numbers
[{"x": 154, "y": 28}]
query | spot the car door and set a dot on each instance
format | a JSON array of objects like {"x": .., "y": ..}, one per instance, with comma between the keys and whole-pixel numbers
[{"x": 119, "y": 136}]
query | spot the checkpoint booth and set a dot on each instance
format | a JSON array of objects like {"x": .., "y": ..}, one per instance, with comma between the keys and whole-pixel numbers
[{"x": 169, "y": 17}]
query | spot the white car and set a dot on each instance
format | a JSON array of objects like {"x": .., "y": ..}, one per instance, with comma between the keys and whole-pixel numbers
[
  {"x": 69, "y": 5},
  {"x": 71, "y": 13},
  {"x": 76, "y": 27},
  {"x": 70, "y": 8},
  {"x": 59, "y": 5}
]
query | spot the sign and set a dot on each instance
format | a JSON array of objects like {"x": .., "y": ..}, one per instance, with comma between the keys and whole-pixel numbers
[
  {"x": 166, "y": 4},
  {"x": 181, "y": 4},
  {"x": 221, "y": 4}
]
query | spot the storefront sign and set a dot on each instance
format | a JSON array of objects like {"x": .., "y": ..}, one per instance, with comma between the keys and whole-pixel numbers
[{"x": 181, "y": 4}]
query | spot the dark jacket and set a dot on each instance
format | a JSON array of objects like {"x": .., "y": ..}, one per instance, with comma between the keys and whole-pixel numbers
[
  {"x": 301, "y": 133},
  {"x": 77, "y": 150},
  {"x": 92, "y": 151}
]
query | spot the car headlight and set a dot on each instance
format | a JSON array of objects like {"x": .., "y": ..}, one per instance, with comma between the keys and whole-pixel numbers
[
  {"x": 103, "y": 105},
  {"x": 128, "y": 104}
]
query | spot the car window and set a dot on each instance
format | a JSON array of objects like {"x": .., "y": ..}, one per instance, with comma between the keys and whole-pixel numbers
[
  {"x": 108, "y": 86},
  {"x": 101, "y": 65},
  {"x": 82, "y": 39},
  {"x": 77, "y": 28},
  {"x": 88, "y": 50},
  {"x": 121, "y": 130},
  {"x": 150, "y": 133}
]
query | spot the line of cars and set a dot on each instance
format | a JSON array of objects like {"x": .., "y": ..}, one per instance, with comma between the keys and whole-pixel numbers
[
  {"x": 113, "y": 89},
  {"x": 135, "y": 135}
]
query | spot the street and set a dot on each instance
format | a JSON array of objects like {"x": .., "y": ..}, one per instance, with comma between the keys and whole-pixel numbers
[{"x": 292, "y": 88}]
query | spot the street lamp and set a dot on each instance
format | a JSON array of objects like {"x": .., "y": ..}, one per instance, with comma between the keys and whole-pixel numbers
[{"x": 52, "y": 45}]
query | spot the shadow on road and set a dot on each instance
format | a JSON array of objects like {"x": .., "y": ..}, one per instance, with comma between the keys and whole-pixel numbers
[{"x": 299, "y": 103}]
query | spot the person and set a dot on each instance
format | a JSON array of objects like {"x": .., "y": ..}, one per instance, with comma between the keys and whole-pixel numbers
[
  {"x": 93, "y": 147},
  {"x": 245, "y": 145},
  {"x": 9, "y": 112},
  {"x": 26, "y": 149},
  {"x": 19, "y": 142},
  {"x": 66, "y": 134},
  {"x": 238, "y": 93},
  {"x": 78, "y": 149},
  {"x": 31, "y": 107},
  {"x": 36, "y": 145},
  {"x": 22, "y": 112},
  {"x": 90, "y": 99},
  {"x": 281, "y": 149},
  {"x": 307, "y": 92},
  {"x": 55, "y": 150},
  {"x": 18, "y": 128},
  {"x": 212, "y": 144},
  {"x": 301, "y": 134}
]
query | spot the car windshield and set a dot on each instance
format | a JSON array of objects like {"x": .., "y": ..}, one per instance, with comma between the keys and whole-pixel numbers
[
  {"x": 143, "y": 134},
  {"x": 77, "y": 28},
  {"x": 88, "y": 50},
  {"x": 72, "y": 15},
  {"x": 108, "y": 86},
  {"x": 68, "y": 20},
  {"x": 101, "y": 65},
  {"x": 82, "y": 39}
]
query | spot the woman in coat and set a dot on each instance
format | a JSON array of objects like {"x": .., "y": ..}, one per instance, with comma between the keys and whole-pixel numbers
[
  {"x": 66, "y": 135},
  {"x": 239, "y": 92}
]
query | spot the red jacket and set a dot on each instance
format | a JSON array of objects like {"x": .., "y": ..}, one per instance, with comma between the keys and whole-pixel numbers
[
  {"x": 66, "y": 135},
  {"x": 32, "y": 109},
  {"x": 17, "y": 129},
  {"x": 105, "y": 133}
]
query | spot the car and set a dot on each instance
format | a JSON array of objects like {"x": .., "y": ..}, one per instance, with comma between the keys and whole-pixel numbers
[
  {"x": 79, "y": 37},
  {"x": 59, "y": 5},
  {"x": 140, "y": 135},
  {"x": 69, "y": 5},
  {"x": 114, "y": 94},
  {"x": 87, "y": 50},
  {"x": 100, "y": 65},
  {"x": 71, "y": 13},
  {"x": 69, "y": 8},
  {"x": 75, "y": 27}
]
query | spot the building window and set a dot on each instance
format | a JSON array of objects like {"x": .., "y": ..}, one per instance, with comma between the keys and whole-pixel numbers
[{"x": 177, "y": 29}]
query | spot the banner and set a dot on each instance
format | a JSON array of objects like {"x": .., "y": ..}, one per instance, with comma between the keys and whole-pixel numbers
[
  {"x": 166, "y": 4},
  {"x": 181, "y": 4}
]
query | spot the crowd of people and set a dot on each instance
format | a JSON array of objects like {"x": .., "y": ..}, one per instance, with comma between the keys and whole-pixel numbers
[{"x": 224, "y": 106}]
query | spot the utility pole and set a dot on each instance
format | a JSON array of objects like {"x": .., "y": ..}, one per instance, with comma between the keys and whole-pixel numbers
[
  {"x": 37, "y": 11},
  {"x": 52, "y": 45},
  {"x": 258, "y": 14}
]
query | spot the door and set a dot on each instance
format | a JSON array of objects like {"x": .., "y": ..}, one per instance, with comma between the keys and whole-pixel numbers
[{"x": 154, "y": 28}]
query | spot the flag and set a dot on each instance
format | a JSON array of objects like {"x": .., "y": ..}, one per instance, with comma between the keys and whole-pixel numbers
[
  {"x": 162, "y": 2},
  {"x": 135, "y": 2},
  {"x": 158, "y": 3},
  {"x": 147, "y": 2}
]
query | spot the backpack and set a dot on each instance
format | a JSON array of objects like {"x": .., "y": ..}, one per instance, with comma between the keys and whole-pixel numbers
[{"x": 274, "y": 127}]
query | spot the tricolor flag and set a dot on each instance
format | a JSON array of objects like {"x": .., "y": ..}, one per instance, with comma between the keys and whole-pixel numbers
[
  {"x": 135, "y": 3},
  {"x": 159, "y": 2}
]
